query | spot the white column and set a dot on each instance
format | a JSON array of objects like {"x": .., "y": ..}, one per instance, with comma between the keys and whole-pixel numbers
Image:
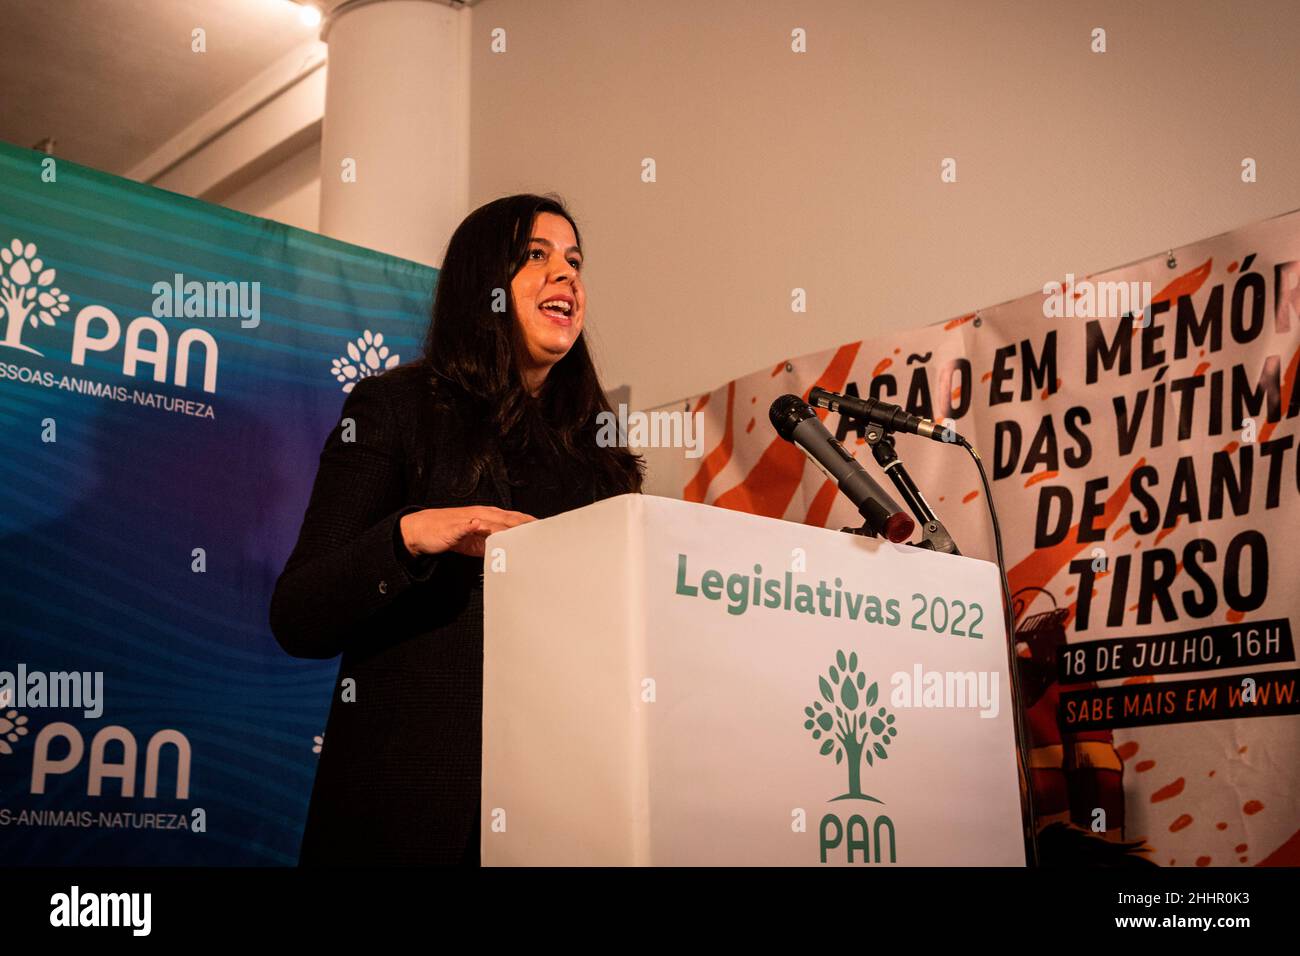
[{"x": 397, "y": 104}]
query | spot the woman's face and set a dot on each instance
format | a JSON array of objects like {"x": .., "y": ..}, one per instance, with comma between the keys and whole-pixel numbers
[{"x": 550, "y": 277}]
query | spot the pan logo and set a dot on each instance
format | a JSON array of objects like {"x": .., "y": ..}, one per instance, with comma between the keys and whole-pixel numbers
[
  {"x": 64, "y": 738},
  {"x": 13, "y": 726},
  {"x": 28, "y": 295},
  {"x": 847, "y": 723},
  {"x": 30, "y": 299},
  {"x": 365, "y": 357}
]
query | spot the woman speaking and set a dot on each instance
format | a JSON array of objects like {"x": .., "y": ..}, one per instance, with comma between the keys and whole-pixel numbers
[{"x": 494, "y": 426}]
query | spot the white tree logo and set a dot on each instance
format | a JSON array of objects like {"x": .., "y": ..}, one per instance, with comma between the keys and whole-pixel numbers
[
  {"x": 367, "y": 356},
  {"x": 12, "y": 727},
  {"x": 27, "y": 293}
]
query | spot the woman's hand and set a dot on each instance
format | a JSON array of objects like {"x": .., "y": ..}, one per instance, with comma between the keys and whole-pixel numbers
[{"x": 465, "y": 530}]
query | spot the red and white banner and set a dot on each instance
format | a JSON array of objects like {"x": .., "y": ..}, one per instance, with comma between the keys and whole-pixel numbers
[{"x": 1139, "y": 429}]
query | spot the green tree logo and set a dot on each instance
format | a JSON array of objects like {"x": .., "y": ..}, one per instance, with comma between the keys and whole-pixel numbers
[{"x": 848, "y": 733}]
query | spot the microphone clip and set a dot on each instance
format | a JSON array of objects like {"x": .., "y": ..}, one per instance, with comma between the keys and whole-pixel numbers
[{"x": 934, "y": 536}]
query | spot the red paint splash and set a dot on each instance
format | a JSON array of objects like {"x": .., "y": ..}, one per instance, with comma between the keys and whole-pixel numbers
[
  {"x": 1288, "y": 854},
  {"x": 1040, "y": 476},
  {"x": 1252, "y": 807},
  {"x": 969, "y": 497},
  {"x": 1181, "y": 823},
  {"x": 1127, "y": 749},
  {"x": 954, "y": 323},
  {"x": 1186, "y": 284},
  {"x": 1144, "y": 766},
  {"x": 772, "y": 482},
  {"x": 1169, "y": 791},
  {"x": 822, "y": 502},
  {"x": 881, "y": 366},
  {"x": 715, "y": 460}
]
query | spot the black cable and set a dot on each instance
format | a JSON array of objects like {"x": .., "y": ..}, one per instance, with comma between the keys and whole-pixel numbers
[{"x": 1022, "y": 737}]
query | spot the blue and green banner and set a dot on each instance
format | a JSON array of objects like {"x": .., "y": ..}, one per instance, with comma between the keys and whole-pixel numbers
[{"x": 168, "y": 373}]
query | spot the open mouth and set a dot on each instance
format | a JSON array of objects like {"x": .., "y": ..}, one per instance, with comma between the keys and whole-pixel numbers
[{"x": 557, "y": 309}]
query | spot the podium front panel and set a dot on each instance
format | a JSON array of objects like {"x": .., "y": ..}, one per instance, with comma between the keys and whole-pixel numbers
[{"x": 670, "y": 683}]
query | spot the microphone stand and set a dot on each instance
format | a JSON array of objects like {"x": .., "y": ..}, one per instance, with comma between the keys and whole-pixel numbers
[{"x": 934, "y": 535}]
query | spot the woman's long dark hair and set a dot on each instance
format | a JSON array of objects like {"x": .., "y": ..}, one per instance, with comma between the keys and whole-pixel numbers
[{"x": 474, "y": 345}]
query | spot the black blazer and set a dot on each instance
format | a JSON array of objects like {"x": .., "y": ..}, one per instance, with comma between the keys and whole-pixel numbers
[{"x": 399, "y": 773}]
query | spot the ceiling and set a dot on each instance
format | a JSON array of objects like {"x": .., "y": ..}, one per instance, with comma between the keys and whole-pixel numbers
[{"x": 113, "y": 80}]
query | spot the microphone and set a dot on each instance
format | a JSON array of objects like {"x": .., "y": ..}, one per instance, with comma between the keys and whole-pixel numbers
[
  {"x": 798, "y": 424},
  {"x": 883, "y": 414}
]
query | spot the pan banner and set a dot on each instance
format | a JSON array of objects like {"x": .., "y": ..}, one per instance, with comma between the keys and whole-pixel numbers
[
  {"x": 168, "y": 373},
  {"x": 1139, "y": 427}
]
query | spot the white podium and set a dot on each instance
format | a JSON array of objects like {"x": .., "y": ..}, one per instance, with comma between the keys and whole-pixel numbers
[{"x": 668, "y": 683}]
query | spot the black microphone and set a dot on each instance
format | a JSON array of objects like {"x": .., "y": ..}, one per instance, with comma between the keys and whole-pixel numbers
[
  {"x": 797, "y": 423},
  {"x": 887, "y": 416}
]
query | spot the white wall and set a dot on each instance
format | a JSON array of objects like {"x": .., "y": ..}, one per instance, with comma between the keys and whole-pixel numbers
[
  {"x": 821, "y": 170},
  {"x": 258, "y": 150},
  {"x": 288, "y": 193}
]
